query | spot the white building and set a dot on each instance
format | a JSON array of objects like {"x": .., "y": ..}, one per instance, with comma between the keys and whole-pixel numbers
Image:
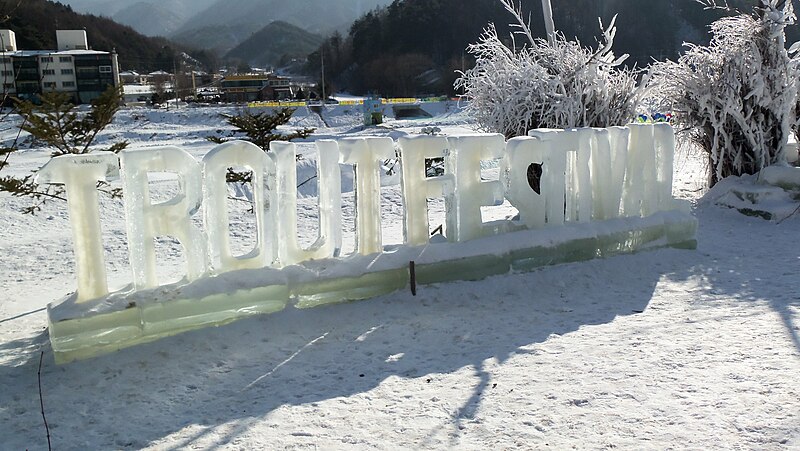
[{"x": 73, "y": 68}]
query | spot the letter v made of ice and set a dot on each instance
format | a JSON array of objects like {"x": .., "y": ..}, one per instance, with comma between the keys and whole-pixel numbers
[
  {"x": 79, "y": 174},
  {"x": 609, "y": 158}
]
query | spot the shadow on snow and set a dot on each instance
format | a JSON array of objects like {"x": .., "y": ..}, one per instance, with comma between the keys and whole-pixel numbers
[{"x": 243, "y": 371}]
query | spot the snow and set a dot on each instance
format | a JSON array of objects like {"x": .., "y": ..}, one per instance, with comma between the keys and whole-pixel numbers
[{"x": 660, "y": 349}]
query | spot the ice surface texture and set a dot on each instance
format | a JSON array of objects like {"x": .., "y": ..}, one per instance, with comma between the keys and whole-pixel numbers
[{"x": 600, "y": 192}]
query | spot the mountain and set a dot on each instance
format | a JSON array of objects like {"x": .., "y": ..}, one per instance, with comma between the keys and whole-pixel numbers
[
  {"x": 35, "y": 23},
  {"x": 149, "y": 17},
  {"x": 275, "y": 45},
  {"x": 221, "y": 25},
  {"x": 316, "y": 16},
  {"x": 97, "y": 7},
  {"x": 414, "y": 47},
  {"x": 218, "y": 38}
]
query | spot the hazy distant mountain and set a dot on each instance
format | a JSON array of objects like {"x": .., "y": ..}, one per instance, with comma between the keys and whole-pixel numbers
[
  {"x": 149, "y": 17},
  {"x": 316, "y": 16},
  {"x": 223, "y": 24},
  {"x": 34, "y": 22},
  {"x": 97, "y": 7},
  {"x": 275, "y": 45},
  {"x": 212, "y": 27},
  {"x": 219, "y": 38}
]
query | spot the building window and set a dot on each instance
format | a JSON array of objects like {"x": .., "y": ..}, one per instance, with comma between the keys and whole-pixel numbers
[
  {"x": 31, "y": 71},
  {"x": 50, "y": 85},
  {"x": 7, "y": 73},
  {"x": 64, "y": 59},
  {"x": 105, "y": 69},
  {"x": 67, "y": 71},
  {"x": 27, "y": 85},
  {"x": 47, "y": 59},
  {"x": 48, "y": 72},
  {"x": 68, "y": 84},
  {"x": 5, "y": 59},
  {"x": 8, "y": 86}
]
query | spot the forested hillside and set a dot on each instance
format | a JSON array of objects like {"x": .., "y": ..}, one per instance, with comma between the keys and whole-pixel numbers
[
  {"x": 414, "y": 47},
  {"x": 35, "y": 23},
  {"x": 275, "y": 45}
]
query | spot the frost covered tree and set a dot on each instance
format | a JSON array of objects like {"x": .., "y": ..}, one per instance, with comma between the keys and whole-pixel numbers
[
  {"x": 552, "y": 84},
  {"x": 734, "y": 98}
]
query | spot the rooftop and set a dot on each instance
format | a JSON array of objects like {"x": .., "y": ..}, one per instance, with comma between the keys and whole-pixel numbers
[{"x": 23, "y": 53}]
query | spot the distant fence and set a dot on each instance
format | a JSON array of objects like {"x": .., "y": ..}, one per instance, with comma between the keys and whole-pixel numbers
[{"x": 384, "y": 101}]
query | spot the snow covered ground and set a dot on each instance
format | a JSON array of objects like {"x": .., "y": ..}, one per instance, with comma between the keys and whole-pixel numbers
[{"x": 662, "y": 349}]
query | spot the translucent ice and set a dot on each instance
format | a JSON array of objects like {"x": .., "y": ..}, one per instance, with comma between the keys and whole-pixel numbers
[
  {"x": 581, "y": 186},
  {"x": 648, "y": 181},
  {"x": 521, "y": 153},
  {"x": 80, "y": 174},
  {"x": 215, "y": 194},
  {"x": 367, "y": 154},
  {"x": 329, "y": 238},
  {"x": 554, "y": 174},
  {"x": 417, "y": 188},
  {"x": 641, "y": 197},
  {"x": 470, "y": 194},
  {"x": 329, "y": 182},
  {"x": 664, "y": 139},
  {"x": 609, "y": 157},
  {"x": 146, "y": 221}
]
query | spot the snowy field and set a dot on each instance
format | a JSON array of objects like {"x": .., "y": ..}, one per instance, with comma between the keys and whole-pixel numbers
[{"x": 667, "y": 349}]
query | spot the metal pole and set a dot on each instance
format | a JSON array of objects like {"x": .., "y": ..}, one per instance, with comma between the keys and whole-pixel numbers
[
  {"x": 175, "y": 83},
  {"x": 549, "y": 25},
  {"x": 322, "y": 59}
]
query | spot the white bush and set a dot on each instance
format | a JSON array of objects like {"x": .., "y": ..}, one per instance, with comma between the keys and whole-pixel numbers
[
  {"x": 734, "y": 98},
  {"x": 558, "y": 84}
]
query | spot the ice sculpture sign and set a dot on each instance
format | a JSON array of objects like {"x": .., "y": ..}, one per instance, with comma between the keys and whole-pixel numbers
[{"x": 598, "y": 192}]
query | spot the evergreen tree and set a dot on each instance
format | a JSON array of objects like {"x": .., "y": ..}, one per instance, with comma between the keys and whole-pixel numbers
[
  {"x": 259, "y": 129},
  {"x": 55, "y": 123}
]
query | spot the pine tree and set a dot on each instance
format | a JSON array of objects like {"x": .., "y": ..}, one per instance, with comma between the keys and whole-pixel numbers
[
  {"x": 259, "y": 129},
  {"x": 55, "y": 123}
]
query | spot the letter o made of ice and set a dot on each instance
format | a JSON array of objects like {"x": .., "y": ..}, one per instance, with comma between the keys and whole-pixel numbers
[
  {"x": 79, "y": 174},
  {"x": 215, "y": 195},
  {"x": 146, "y": 221}
]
